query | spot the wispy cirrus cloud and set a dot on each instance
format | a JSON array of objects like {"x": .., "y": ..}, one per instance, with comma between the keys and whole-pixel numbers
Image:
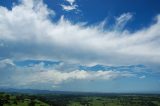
[
  {"x": 71, "y": 6},
  {"x": 122, "y": 20},
  {"x": 71, "y": 1}
]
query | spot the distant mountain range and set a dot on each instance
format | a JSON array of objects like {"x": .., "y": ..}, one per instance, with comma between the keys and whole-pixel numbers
[
  {"x": 35, "y": 91},
  {"x": 32, "y": 91}
]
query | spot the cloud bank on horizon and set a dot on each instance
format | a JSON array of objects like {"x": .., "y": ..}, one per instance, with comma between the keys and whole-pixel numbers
[{"x": 27, "y": 32}]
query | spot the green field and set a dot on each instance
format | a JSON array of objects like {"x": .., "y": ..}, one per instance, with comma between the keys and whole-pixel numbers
[
  {"x": 116, "y": 101},
  {"x": 17, "y": 99}
]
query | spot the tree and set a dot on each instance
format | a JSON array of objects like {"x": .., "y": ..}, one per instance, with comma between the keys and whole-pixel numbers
[
  {"x": 15, "y": 102},
  {"x": 32, "y": 103},
  {"x": 1, "y": 102}
]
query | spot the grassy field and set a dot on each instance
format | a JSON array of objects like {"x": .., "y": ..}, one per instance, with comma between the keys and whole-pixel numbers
[
  {"x": 117, "y": 101},
  {"x": 17, "y": 99}
]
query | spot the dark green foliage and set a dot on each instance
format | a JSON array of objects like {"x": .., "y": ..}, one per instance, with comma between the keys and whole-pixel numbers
[
  {"x": 78, "y": 100},
  {"x": 7, "y": 99},
  {"x": 15, "y": 102},
  {"x": 1, "y": 102},
  {"x": 32, "y": 103}
]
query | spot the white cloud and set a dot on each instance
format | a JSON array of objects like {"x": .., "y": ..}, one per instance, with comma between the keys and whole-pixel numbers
[
  {"x": 58, "y": 77},
  {"x": 142, "y": 77},
  {"x": 30, "y": 34},
  {"x": 71, "y": 1},
  {"x": 37, "y": 75},
  {"x": 5, "y": 63},
  {"x": 71, "y": 6},
  {"x": 122, "y": 20}
]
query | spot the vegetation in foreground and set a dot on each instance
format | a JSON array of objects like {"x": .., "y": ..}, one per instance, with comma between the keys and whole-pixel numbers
[
  {"x": 7, "y": 99},
  {"x": 17, "y": 99}
]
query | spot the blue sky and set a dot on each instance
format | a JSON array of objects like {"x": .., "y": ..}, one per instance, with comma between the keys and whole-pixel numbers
[{"x": 80, "y": 45}]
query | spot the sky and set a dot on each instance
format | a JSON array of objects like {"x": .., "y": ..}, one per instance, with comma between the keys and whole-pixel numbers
[{"x": 80, "y": 45}]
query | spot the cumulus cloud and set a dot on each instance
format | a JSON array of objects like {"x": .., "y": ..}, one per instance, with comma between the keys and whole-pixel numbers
[
  {"x": 17, "y": 76},
  {"x": 27, "y": 32},
  {"x": 58, "y": 77},
  {"x": 71, "y": 6}
]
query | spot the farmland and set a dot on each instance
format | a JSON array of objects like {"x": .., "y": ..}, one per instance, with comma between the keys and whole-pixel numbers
[{"x": 78, "y": 99}]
